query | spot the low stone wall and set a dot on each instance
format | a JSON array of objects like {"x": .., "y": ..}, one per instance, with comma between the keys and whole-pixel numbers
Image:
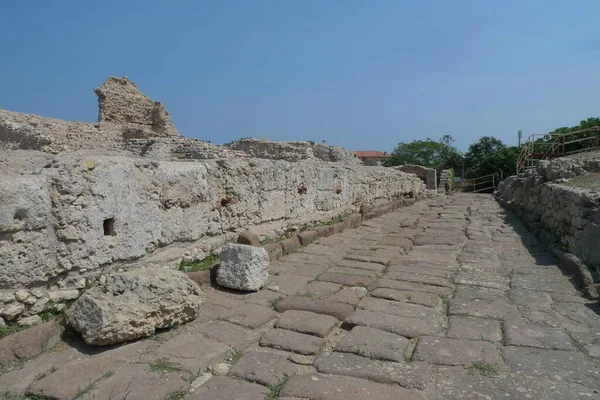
[
  {"x": 427, "y": 175},
  {"x": 80, "y": 216},
  {"x": 560, "y": 200}
]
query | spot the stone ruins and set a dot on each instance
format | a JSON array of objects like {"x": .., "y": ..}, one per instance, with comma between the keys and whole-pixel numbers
[
  {"x": 80, "y": 200},
  {"x": 347, "y": 282}
]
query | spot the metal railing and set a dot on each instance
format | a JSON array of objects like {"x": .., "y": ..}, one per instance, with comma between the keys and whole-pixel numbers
[
  {"x": 483, "y": 183},
  {"x": 550, "y": 145}
]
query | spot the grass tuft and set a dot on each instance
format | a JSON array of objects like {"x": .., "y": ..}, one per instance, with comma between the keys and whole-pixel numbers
[
  {"x": 273, "y": 302},
  {"x": 204, "y": 265},
  {"x": 164, "y": 365},
  {"x": 235, "y": 355},
  {"x": 483, "y": 368},
  {"x": 10, "y": 329},
  {"x": 41, "y": 376},
  {"x": 178, "y": 395},
  {"x": 275, "y": 390}
]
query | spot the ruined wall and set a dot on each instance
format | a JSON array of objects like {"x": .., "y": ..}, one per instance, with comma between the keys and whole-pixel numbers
[
  {"x": 79, "y": 200},
  {"x": 293, "y": 151},
  {"x": 562, "y": 196},
  {"x": 82, "y": 215},
  {"x": 427, "y": 175}
]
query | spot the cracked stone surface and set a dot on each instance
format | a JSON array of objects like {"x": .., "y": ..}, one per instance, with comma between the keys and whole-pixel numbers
[{"x": 449, "y": 298}]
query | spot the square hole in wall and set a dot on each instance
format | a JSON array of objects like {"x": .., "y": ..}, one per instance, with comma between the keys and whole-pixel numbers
[{"x": 109, "y": 227}]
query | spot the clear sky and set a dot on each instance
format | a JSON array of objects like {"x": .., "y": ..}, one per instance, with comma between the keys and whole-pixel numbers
[{"x": 364, "y": 75}]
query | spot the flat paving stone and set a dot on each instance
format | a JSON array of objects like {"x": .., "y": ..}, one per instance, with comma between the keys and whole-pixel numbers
[
  {"x": 138, "y": 382},
  {"x": 263, "y": 368},
  {"x": 418, "y": 287},
  {"x": 67, "y": 381},
  {"x": 351, "y": 295},
  {"x": 407, "y": 327},
  {"x": 374, "y": 343},
  {"x": 425, "y": 270},
  {"x": 192, "y": 351},
  {"x": 500, "y": 308},
  {"x": 407, "y": 296},
  {"x": 370, "y": 259},
  {"x": 482, "y": 278},
  {"x": 361, "y": 265},
  {"x": 283, "y": 339},
  {"x": 406, "y": 310},
  {"x": 233, "y": 335},
  {"x": 415, "y": 375},
  {"x": 251, "y": 315},
  {"x": 321, "y": 289},
  {"x": 572, "y": 366},
  {"x": 527, "y": 334},
  {"x": 328, "y": 307},
  {"x": 222, "y": 388},
  {"x": 346, "y": 279},
  {"x": 458, "y": 383},
  {"x": 445, "y": 351},
  {"x": 287, "y": 283},
  {"x": 418, "y": 278},
  {"x": 333, "y": 387},
  {"x": 354, "y": 271},
  {"x": 473, "y": 328},
  {"x": 308, "y": 270},
  {"x": 307, "y": 322}
]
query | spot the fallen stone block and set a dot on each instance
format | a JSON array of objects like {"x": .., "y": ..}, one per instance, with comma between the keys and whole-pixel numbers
[
  {"x": 275, "y": 251},
  {"x": 134, "y": 304},
  {"x": 324, "y": 231},
  {"x": 249, "y": 238},
  {"x": 290, "y": 245},
  {"x": 243, "y": 267},
  {"x": 307, "y": 237},
  {"x": 29, "y": 343},
  {"x": 353, "y": 220}
]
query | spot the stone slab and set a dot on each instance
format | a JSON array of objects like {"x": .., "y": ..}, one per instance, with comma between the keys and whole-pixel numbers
[
  {"x": 222, "y": 388},
  {"x": 373, "y": 343},
  {"x": 251, "y": 315},
  {"x": 378, "y": 268},
  {"x": 445, "y": 351},
  {"x": 321, "y": 289},
  {"x": 418, "y": 278},
  {"x": 138, "y": 382},
  {"x": 405, "y": 310},
  {"x": 233, "y": 335},
  {"x": 328, "y": 307},
  {"x": 571, "y": 366},
  {"x": 288, "y": 283},
  {"x": 350, "y": 295},
  {"x": 346, "y": 279},
  {"x": 407, "y": 327},
  {"x": 407, "y": 296},
  {"x": 29, "y": 343},
  {"x": 370, "y": 259},
  {"x": 263, "y": 368},
  {"x": 333, "y": 387},
  {"x": 415, "y": 375},
  {"x": 307, "y": 322},
  {"x": 532, "y": 335},
  {"x": 473, "y": 328},
  {"x": 283, "y": 339},
  {"x": 418, "y": 287},
  {"x": 500, "y": 308}
]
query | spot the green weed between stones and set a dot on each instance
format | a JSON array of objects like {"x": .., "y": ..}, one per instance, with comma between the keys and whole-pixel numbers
[
  {"x": 10, "y": 329},
  {"x": 275, "y": 390},
  {"x": 41, "y": 376},
  {"x": 235, "y": 355},
  {"x": 164, "y": 365},
  {"x": 273, "y": 302},
  {"x": 484, "y": 369},
  {"x": 204, "y": 265},
  {"x": 180, "y": 394}
]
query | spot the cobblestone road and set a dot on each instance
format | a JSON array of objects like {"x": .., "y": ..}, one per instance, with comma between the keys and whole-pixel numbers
[{"x": 446, "y": 299}]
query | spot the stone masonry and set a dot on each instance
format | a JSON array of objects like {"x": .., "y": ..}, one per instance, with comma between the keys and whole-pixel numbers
[
  {"x": 450, "y": 298},
  {"x": 129, "y": 191}
]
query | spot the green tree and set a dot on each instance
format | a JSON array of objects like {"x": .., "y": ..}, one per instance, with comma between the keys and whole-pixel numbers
[
  {"x": 490, "y": 156},
  {"x": 428, "y": 153}
]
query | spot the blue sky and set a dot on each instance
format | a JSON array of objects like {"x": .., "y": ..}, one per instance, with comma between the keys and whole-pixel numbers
[{"x": 364, "y": 75}]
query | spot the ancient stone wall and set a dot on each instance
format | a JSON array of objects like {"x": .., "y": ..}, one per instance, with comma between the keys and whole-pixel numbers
[
  {"x": 445, "y": 185},
  {"x": 561, "y": 200},
  {"x": 427, "y": 175},
  {"x": 293, "y": 151}
]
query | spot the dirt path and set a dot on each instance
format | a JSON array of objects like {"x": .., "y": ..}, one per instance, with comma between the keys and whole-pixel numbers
[{"x": 446, "y": 299}]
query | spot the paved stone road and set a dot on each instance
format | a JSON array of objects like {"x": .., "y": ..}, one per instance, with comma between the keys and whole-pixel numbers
[{"x": 446, "y": 299}]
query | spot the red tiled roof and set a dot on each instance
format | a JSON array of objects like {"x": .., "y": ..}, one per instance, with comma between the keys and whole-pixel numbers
[{"x": 372, "y": 153}]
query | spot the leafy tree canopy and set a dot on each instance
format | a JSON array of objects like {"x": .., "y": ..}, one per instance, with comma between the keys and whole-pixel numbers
[{"x": 428, "y": 153}]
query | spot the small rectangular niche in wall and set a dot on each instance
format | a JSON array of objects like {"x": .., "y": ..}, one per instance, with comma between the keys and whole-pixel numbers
[{"x": 109, "y": 227}]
